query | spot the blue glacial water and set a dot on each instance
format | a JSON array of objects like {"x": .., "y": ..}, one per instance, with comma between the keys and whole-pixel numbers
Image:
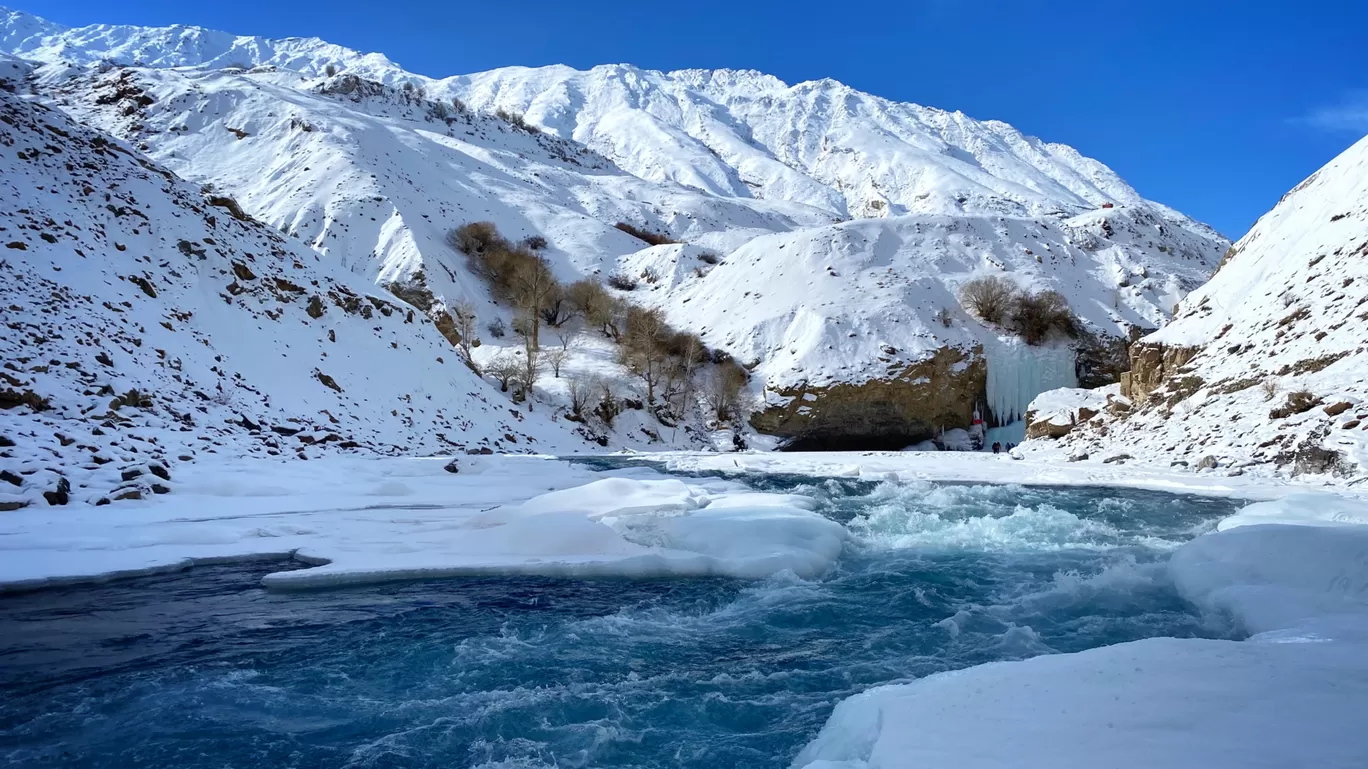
[{"x": 205, "y": 669}]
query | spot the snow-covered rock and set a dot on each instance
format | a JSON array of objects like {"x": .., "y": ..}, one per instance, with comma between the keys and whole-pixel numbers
[
  {"x": 1054, "y": 413},
  {"x": 1267, "y": 364}
]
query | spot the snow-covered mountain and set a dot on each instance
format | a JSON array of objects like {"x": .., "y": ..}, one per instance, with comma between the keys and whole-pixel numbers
[
  {"x": 759, "y": 181},
  {"x": 1267, "y": 363},
  {"x": 148, "y": 324}
]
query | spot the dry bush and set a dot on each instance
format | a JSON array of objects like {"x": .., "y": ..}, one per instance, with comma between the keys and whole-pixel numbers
[
  {"x": 516, "y": 120},
  {"x": 723, "y": 392},
  {"x": 945, "y": 318},
  {"x": 330, "y": 70},
  {"x": 642, "y": 347},
  {"x": 708, "y": 257},
  {"x": 531, "y": 367},
  {"x": 476, "y": 238},
  {"x": 566, "y": 336},
  {"x": 609, "y": 405},
  {"x": 653, "y": 238},
  {"x": 464, "y": 314},
  {"x": 533, "y": 242},
  {"x": 600, "y": 309},
  {"x": 555, "y": 357},
  {"x": 622, "y": 282},
  {"x": 556, "y": 308},
  {"x": 990, "y": 298},
  {"x": 1269, "y": 388},
  {"x": 1036, "y": 317},
  {"x": 505, "y": 368},
  {"x": 583, "y": 389}
]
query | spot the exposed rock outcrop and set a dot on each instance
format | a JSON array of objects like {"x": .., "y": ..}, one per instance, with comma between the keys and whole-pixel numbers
[
  {"x": 892, "y": 413},
  {"x": 1150, "y": 364}
]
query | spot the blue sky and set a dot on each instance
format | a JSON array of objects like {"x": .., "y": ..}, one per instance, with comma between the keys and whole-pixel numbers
[{"x": 1212, "y": 106}]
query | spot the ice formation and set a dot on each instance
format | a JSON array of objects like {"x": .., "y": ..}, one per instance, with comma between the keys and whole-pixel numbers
[{"x": 1018, "y": 372}]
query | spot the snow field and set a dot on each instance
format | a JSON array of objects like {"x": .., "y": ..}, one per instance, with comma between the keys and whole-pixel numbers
[{"x": 366, "y": 520}]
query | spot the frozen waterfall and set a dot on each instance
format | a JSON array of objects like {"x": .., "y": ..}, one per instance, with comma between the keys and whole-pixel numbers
[{"x": 1018, "y": 372}]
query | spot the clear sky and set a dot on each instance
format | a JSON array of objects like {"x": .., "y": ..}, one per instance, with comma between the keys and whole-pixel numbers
[{"x": 1216, "y": 107}]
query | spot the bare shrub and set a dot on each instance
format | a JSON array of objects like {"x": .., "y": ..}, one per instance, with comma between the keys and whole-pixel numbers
[
  {"x": 583, "y": 389},
  {"x": 708, "y": 257},
  {"x": 945, "y": 318},
  {"x": 653, "y": 238},
  {"x": 531, "y": 367},
  {"x": 609, "y": 405},
  {"x": 642, "y": 347},
  {"x": 723, "y": 393},
  {"x": 515, "y": 274},
  {"x": 622, "y": 282},
  {"x": 1036, "y": 317},
  {"x": 556, "y": 310},
  {"x": 504, "y": 367},
  {"x": 555, "y": 357},
  {"x": 464, "y": 315},
  {"x": 475, "y": 238},
  {"x": 534, "y": 242},
  {"x": 1269, "y": 387},
  {"x": 330, "y": 70},
  {"x": 566, "y": 336},
  {"x": 990, "y": 298},
  {"x": 593, "y": 303},
  {"x": 516, "y": 120},
  {"x": 496, "y": 328}
]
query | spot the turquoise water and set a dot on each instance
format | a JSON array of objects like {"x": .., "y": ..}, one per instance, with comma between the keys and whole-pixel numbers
[{"x": 205, "y": 669}]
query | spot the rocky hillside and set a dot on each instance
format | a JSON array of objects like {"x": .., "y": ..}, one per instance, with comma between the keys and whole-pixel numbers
[
  {"x": 1266, "y": 364},
  {"x": 147, "y": 323},
  {"x": 817, "y": 234}
]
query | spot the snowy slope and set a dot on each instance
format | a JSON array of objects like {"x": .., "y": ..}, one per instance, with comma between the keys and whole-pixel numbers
[
  {"x": 728, "y": 133},
  {"x": 733, "y": 163},
  {"x": 821, "y": 143},
  {"x": 862, "y": 301},
  {"x": 1266, "y": 363},
  {"x": 146, "y": 322}
]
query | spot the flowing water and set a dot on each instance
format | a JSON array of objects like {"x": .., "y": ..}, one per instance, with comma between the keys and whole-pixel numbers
[{"x": 205, "y": 669}]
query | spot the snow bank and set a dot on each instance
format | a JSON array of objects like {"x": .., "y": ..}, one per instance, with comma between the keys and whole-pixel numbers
[
  {"x": 1291, "y": 695},
  {"x": 368, "y": 520}
]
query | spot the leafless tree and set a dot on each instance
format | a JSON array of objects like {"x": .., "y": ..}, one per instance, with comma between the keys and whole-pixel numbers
[
  {"x": 504, "y": 367},
  {"x": 531, "y": 367},
  {"x": 724, "y": 389},
  {"x": 555, "y": 358},
  {"x": 642, "y": 348},
  {"x": 990, "y": 298},
  {"x": 583, "y": 389},
  {"x": 464, "y": 314}
]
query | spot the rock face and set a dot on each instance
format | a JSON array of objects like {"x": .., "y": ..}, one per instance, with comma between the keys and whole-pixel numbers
[
  {"x": 881, "y": 413},
  {"x": 1150, "y": 364}
]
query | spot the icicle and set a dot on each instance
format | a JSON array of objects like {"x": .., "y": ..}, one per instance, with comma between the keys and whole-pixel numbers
[{"x": 1017, "y": 373}]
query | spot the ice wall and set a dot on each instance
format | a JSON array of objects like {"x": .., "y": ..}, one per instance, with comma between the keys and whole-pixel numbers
[{"x": 1018, "y": 372}]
